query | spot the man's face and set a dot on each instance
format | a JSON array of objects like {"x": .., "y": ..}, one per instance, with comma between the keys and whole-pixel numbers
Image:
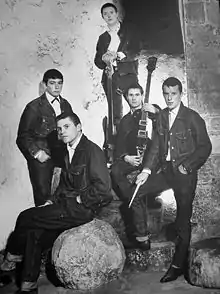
[
  {"x": 67, "y": 131},
  {"x": 54, "y": 87},
  {"x": 134, "y": 98},
  {"x": 110, "y": 16},
  {"x": 172, "y": 96}
]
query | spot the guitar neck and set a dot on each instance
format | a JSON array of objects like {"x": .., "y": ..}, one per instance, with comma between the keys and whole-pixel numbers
[{"x": 147, "y": 90}]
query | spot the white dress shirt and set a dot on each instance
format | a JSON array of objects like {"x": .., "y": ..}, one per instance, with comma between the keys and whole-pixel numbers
[
  {"x": 172, "y": 116},
  {"x": 54, "y": 102},
  {"x": 71, "y": 149}
]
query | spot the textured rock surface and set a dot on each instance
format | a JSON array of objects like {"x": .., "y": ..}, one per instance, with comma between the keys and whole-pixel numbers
[
  {"x": 204, "y": 263},
  {"x": 158, "y": 258},
  {"x": 88, "y": 256}
]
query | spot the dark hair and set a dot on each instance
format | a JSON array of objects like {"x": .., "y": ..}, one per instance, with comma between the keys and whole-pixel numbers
[
  {"x": 52, "y": 74},
  {"x": 108, "y": 5},
  {"x": 133, "y": 86},
  {"x": 172, "y": 82},
  {"x": 73, "y": 116}
]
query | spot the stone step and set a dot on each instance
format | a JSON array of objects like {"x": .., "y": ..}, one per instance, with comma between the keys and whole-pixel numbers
[{"x": 158, "y": 258}]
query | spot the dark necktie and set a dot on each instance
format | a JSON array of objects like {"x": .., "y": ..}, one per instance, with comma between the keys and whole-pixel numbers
[{"x": 55, "y": 99}]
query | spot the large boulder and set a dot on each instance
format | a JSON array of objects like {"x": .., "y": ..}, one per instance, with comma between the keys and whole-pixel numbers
[
  {"x": 204, "y": 263},
  {"x": 88, "y": 256}
]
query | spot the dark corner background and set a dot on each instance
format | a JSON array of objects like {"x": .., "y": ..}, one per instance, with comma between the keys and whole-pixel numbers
[{"x": 158, "y": 22}]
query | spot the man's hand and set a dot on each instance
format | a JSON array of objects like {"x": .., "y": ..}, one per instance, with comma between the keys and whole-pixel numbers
[
  {"x": 109, "y": 57},
  {"x": 78, "y": 199},
  {"x": 120, "y": 56},
  {"x": 149, "y": 108},
  {"x": 182, "y": 170},
  {"x": 42, "y": 156},
  {"x": 142, "y": 178},
  {"x": 133, "y": 160}
]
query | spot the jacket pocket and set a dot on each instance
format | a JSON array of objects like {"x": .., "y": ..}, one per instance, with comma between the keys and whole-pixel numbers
[
  {"x": 184, "y": 141},
  {"x": 78, "y": 177},
  {"x": 44, "y": 125}
]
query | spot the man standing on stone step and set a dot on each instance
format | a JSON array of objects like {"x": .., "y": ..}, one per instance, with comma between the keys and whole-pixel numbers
[
  {"x": 37, "y": 135},
  {"x": 117, "y": 48},
  {"x": 181, "y": 145},
  {"x": 128, "y": 160},
  {"x": 84, "y": 188}
]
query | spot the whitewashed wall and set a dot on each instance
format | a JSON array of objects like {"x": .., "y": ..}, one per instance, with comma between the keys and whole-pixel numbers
[{"x": 36, "y": 35}]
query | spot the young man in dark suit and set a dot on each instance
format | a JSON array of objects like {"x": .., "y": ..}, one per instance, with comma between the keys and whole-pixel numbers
[
  {"x": 37, "y": 134},
  {"x": 180, "y": 147},
  {"x": 84, "y": 188},
  {"x": 117, "y": 48}
]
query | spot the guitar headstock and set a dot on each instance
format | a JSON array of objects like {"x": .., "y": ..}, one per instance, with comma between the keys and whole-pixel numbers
[{"x": 152, "y": 61}]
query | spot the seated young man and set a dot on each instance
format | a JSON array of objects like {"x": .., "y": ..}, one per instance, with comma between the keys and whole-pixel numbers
[{"x": 84, "y": 188}]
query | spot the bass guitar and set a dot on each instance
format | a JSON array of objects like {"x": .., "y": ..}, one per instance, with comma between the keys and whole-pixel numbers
[{"x": 142, "y": 135}]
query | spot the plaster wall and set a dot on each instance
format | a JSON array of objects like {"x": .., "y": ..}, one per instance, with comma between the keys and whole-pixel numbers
[{"x": 36, "y": 35}]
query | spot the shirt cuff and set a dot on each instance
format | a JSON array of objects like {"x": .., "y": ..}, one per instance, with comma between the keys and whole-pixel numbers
[
  {"x": 146, "y": 170},
  {"x": 37, "y": 154}
]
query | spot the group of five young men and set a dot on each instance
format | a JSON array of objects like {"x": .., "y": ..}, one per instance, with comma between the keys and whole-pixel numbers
[{"x": 50, "y": 134}]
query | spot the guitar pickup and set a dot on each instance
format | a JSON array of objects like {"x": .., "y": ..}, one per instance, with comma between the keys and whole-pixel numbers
[
  {"x": 142, "y": 122},
  {"x": 142, "y": 134}
]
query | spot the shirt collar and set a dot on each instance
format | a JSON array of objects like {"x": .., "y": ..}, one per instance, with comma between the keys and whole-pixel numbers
[
  {"x": 73, "y": 147},
  {"x": 174, "y": 111},
  {"x": 50, "y": 98},
  {"x": 133, "y": 110},
  {"x": 114, "y": 29}
]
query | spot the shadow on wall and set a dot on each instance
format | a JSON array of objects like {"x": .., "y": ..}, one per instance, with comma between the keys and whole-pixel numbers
[{"x": 159, "y": 23}]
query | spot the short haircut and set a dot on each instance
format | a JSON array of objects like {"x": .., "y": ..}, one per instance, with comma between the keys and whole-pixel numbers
[
  {"x": 73, "y": 116},
  {"x": 52, "y": 74},
  {"x": 172, "y": 82},
  {"x": 133, "y": 86},
  {"x": 108, "y": 5}
]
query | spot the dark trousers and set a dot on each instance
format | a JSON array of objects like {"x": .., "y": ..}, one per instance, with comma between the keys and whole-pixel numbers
[
  {"x": 120, "y": 83},
  {"x": 37, "y": 228},
  {"x": 123, "y": 187},
  {"x": 41, "y": 175},
  {"x": 184, "y": 187}
]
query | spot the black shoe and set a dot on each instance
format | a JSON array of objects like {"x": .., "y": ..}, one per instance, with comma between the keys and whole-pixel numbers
[
  {"x": 171, "y": 275},
  {"x": 144, "y": 245}
]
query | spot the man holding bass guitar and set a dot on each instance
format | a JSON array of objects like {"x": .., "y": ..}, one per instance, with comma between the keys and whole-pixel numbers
[{"x": 128, "y": 157}]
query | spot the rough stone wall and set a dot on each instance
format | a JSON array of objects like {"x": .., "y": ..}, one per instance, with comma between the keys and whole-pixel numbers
[{"x": 202, "y": 33}]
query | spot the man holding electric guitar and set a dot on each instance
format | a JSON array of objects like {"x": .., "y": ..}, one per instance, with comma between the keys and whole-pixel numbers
[{"x": 129, "y": 157}]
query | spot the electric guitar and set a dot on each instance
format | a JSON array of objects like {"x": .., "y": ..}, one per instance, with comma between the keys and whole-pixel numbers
[{"x": 142, "y": 135}]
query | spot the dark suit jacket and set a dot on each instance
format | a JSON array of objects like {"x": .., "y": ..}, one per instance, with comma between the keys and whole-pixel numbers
[
  {"x": 87, "y": 176},
  {"x": 129, "y": 45},
  {"x": 189, "y": 141},
  {"x": 37, "y": 127}
]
